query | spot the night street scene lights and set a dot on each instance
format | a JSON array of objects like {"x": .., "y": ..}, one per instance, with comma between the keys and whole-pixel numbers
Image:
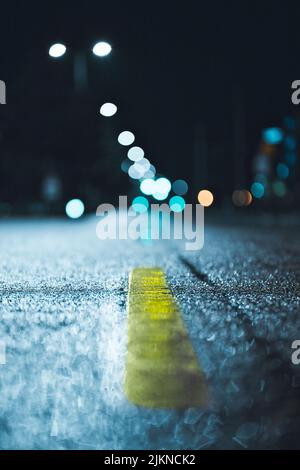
[
  {"x": 80, "y": 68},
  {"x": 57, "y": 50},
  {"x": 102, "y": 49}
]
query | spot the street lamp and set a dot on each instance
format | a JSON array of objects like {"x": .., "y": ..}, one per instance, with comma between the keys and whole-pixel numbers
[
  {"x": 80, "y": 74},
  {"x": 57, "y": 50},
  {"x": 102, "y": 49}
]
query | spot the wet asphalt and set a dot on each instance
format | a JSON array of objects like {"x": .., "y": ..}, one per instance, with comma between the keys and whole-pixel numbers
[{"x": 63, "y": 337}]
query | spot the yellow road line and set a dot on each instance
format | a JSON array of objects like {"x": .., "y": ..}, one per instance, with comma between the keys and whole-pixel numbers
[{"x": 162, "y": 370}]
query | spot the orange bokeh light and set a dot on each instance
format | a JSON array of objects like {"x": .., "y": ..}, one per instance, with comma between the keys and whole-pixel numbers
[{"x": 205, "y": 198}]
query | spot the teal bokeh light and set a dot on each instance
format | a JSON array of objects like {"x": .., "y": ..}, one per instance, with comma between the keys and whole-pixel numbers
[
  {"x": 282, "y": 171},
  {"x": 177, "y": 204},
  {"x": 257, "y": 190},
  {"x": 140, "y": 204},
  {"x": 279, "y": 188},
  {"x": 272, "y": 135},
  {"x": 180, "y": 187},
  {"x": 290, "y": 143}
]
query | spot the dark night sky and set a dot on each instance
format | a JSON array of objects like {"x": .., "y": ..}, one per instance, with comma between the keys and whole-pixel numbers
[{"x": 173, "y": 64}]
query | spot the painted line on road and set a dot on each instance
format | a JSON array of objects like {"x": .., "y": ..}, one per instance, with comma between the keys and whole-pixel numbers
[{"x": 162, "y": 369}]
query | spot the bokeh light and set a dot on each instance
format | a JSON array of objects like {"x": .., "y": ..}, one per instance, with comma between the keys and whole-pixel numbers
[
  {"x": 145, "y": 164},
  {"x": 289, "y": 123},
  {"x": 140, "y": 204},
  {"x": 177, "y": 204},
  {"x": 279, "y": 188},
  {"x": 282, "y": 171},
  {"x": 180, "y": 187},
  {"x": 108, "y": 109},
  {"x": 102, "y": 49},
  {"x": 136, "y": 171},
  {"x": 151, "y": 172},
  {"x": 135, "y": 154},
  {"x": 163, "y": 185},
  {"x": 257, "y": 190},
  {"x": 205, "y": 198},
  {"x": 248, "y": 197},
  {"x": 57, "y": 50},
  {"x": 126, "y": 138},
  {"x": 272, "y": 135},
  {"x": 125, "y": 165},
  {"x": 160, "y": 196},
  {"x": 237, "y": 198},
  {"x": 147, "y": 186},
  {"x": 162, "y": 189},
  {"x": 74, "y": 208},
  {"x": 241, "y": 198},
  {"x": 290, "y": 143}
]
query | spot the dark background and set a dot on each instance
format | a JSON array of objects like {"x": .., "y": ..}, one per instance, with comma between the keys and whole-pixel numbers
[{"x": 196, "y": 81}]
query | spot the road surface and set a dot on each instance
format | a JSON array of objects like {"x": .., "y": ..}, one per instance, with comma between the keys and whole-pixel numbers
[{"x": 63, "y": 337}]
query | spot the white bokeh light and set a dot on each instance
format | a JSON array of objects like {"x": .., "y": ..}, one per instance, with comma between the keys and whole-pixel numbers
[
  {"x": 163, "y": 185},
  {"x": 136, "y": 171},
  {"x": 126, "y": 138},
  {"x": 145, "y": 164},
  {"x": 162, "y": 189},
  {"x": 108, "y": 109},
  {"x": 57, "y": 50},
  {"x": 74, "y": 208},
  {"x": 135, "y": 154},
  {"x": 160, "y": 196},
  {"x": 101, "y": 49},
  {"x": 150, "y": 173},
  {"x": 147, "y": 186}
]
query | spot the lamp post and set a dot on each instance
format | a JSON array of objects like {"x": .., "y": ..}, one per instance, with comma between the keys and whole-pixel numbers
[{"x": 80, "y": 70}]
